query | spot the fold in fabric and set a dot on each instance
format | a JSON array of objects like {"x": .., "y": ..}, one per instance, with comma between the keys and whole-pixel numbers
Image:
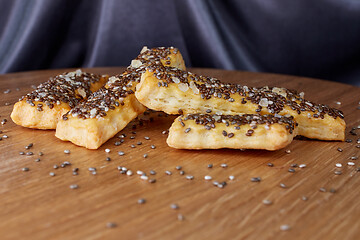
[{"x": 307, "y": 38}]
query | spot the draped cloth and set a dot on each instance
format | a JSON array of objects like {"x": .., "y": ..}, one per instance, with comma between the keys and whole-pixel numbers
[{"x": 319, "y": 39}]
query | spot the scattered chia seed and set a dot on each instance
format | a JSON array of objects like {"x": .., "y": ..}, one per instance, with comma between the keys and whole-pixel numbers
[
  {"x": 152, "y": 172},
  {"x": 29, "y": 153},
  {"x": 67, "y": 151},
  {"x": 223, "y": 165},
  {"x": 174, "y": 206},
  {"x": 178, "y": 167},
  {"x": 52, "y": 174},
  {"x": 41, "y": 153},
  {"x": 147, "y": 138},
  {"x": 145, "y": 155},
  {"x": 332, "y": 190},
  {"x": 338, "y": 172},
  {"x": 270, "y": 164},
  {"x": 187, "y": 130},
  {"x": 21, "y": 153},
  {"x": 288, "y": 151},
  {"x": 153, "y": 146},
  {"x": 339, "y": 149},
  {"x": 351, "y": 163},
  {"x": 231, "y": 177},
  {"x": 189, "y": 177},
  {"x": 129, "y": 173},
  {"x": 209, "y": 165},
  {"x": 108, "y": 159},
  {"x": 338, "y": 165},
  {"x": 322, "y": 189},
  {"x": 141, "y": 201},
  {"x": 255, "y": 179},
  {"x": 25, "y": 169},
  {"x": 55, "y": 166},
  {"x": 302, "y": 166},
  {"x": 152, "y": 180},
  {"x": 293, "y": 165},
  {"x": 139, "y": 143},
  {"x": 144, "y": 177},
  {"x": 74, "y": 186},
  {"x": 284, "y": 227},
  {"x": 107, "y": 150},
  {"x": 304, "y": 198},
  {"x": 182, "y": 172},
  {"x": 267, "y": 202},
  {"x": 207, "y": 177},
  {"x": 111, "y": 225},
  {"x": 168, "y": 173},
  {"x": 37, "y": 160},
  {"x": 180, "y": 217},
  {"x": 121, "y": 153},
  {"x": 353, "y": 158},
  {"x": 283, "y": 185},
  {"x": 291, "y": 170}
]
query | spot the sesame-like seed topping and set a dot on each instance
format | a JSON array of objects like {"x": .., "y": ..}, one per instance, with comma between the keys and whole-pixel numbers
[
  {"x": 118, "y": 87},
  {"x": 211, "y": 121},
  {"x": 274, "y": 99}
]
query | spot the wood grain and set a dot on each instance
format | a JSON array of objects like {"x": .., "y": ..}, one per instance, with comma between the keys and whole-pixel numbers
[{"x": 35, "y": 205}]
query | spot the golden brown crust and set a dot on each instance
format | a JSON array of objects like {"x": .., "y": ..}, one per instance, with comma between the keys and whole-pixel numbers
[
  {"x": 249, "y": 131},
  {"x": 111, "y": 108},
  {"x": 172, "y": 91},
  {"x": 43, "y": 107},
  {"x": 93, "y": 132}
]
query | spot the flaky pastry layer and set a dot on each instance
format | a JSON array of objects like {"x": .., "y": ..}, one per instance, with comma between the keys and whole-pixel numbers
[
  {"x": 249, "y": 131},
  {"x": 174, "y": 92},
  {"x": 42, "y": 108},
  {"x": 111, "y": 108}
]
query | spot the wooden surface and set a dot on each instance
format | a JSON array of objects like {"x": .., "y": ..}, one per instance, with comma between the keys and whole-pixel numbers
[{"x": 35, "y": 205}]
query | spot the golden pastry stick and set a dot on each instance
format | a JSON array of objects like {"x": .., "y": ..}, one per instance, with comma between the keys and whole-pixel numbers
[
  {"x": 43, "y": 107},
  {"x": 247, "y": 131},
  {"x": 110, "y": 109},
  {"x": 174, "y": 91}
]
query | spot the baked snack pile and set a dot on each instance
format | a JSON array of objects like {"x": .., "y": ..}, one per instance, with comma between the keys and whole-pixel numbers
[
  {"x": 111, "y": 108},
  {"x": 43, "y": 107},
  {"x": 248, "y": 131},
  {"x": 175, "y": 91}
]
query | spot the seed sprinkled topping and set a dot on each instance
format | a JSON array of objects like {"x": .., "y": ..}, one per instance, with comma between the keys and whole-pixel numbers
[
  {"x": 114, "y": 93},
  {"x": 211, "y": 121},
  {"x": 70, "y": 88},
  {"x": 273, "y": 99}
]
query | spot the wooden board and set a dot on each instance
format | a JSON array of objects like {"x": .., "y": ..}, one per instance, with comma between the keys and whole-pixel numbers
[{"x": 35, "y": 205}]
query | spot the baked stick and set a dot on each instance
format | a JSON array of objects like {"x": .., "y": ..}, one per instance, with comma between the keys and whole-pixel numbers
[
  {"x": 43, "y": 107},
  {"x": 110, "y": 109},
  {"x": 246, "y": 131},
  {"x": 174, "y": 91}
]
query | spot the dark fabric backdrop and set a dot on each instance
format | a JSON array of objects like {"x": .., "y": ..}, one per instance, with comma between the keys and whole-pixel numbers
[{"x": 314, "y": 38}]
